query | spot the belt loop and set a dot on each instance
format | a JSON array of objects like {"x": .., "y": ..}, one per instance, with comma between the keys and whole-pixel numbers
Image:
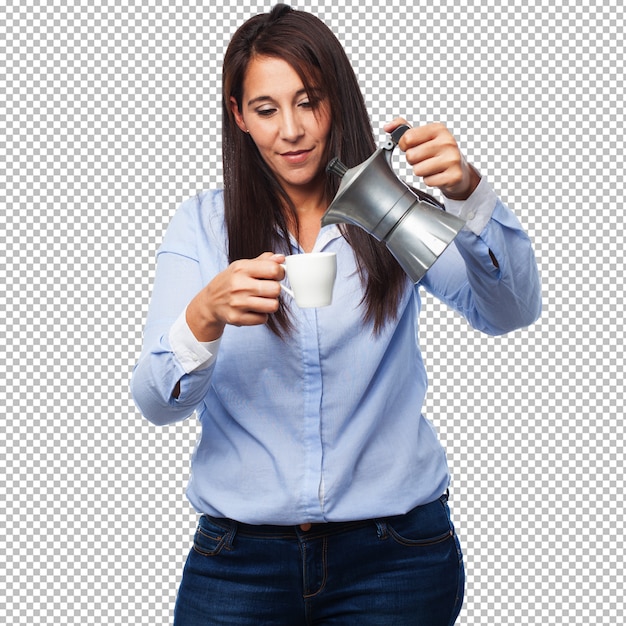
[
  {"x": 381, "y": 529},
  {"x": 230, "y": 534}
]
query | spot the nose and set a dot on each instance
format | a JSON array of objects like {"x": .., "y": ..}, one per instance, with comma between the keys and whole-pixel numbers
[{"x": 291, "y": 127}]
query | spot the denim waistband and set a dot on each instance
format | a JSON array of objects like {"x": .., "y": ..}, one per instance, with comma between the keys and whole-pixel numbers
[{"x": 316, "y": 529}]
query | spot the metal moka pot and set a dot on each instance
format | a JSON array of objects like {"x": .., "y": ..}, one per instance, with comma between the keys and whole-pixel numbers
[{"x": 373, "y": 197}]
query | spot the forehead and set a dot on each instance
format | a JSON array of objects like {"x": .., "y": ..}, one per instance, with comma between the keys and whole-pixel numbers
[{"x": 270, "y": 77}]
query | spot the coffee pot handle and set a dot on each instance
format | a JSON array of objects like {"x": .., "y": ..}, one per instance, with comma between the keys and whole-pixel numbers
[
  {"x": 397, "y": 134},
  {"x": 392, "y": 142}
]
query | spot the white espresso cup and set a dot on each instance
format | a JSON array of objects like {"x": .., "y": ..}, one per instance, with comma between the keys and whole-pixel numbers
[{"x": 311, "y": 277}]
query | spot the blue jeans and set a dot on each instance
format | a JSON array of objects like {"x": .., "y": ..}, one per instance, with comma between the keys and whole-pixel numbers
[{"x": 403, "y": 570}]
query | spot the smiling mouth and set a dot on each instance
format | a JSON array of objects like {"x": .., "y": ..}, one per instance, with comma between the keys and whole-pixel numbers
[
  {"x": 295, "y": 153},
  {"x": 297, "y": 156}
]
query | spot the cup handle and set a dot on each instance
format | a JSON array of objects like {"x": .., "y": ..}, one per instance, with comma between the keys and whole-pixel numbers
[
  {"x": 291, "y": 293},
  {"x": 287, "y": 290}
]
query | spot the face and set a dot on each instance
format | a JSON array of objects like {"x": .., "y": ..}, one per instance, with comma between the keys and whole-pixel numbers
[{"x": 289, "y": 127}]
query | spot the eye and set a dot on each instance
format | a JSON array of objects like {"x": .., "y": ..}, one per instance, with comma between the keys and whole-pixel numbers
[
  {"x": 312, "y": 101},
  {"x": 265, "y": 112}
]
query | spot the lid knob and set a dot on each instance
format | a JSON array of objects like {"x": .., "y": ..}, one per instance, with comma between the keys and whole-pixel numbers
[{"x": 336, "y": 167}]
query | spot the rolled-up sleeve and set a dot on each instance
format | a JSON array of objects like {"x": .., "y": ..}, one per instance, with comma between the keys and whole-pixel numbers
[{"x": 192, "y": 354}]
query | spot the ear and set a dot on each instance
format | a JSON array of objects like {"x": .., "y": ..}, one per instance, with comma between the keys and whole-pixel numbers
[{"x": 234, "y": 107}]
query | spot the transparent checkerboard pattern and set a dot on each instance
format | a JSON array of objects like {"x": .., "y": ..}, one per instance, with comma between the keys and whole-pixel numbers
[{"x": 109, "y": 118}]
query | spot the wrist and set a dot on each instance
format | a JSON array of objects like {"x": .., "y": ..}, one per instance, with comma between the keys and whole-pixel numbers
[
  {"x": 464, "y": 191},
  {"x": 204, "y": 327}
]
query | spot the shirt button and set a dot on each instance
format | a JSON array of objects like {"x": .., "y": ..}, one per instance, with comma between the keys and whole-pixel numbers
[
  {"x": 305, "y": 527},
  {"x": 472, "y": 215}
]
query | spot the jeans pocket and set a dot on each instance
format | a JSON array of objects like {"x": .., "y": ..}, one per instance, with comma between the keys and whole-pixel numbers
[
  {"x": 405, "y": 541},
  {"x": 425, "y": 525},
  {"x": 210, "y": 539}
]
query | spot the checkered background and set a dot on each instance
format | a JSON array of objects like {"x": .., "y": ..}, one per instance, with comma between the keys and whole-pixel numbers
[{"x": 109, "y": 118}]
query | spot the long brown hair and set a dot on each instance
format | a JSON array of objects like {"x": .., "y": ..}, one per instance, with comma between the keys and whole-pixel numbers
[{"x": 257, "y": 210}]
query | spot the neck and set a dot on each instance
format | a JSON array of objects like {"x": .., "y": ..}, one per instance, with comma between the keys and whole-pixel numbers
[
  {"x": 310, "y": 205},
  {"x": 310, "y": 199},
  {"x": 310, "y": 202}
]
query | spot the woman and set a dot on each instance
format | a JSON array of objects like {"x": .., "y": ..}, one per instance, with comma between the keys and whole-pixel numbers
[{"x": 322, "y": 489}]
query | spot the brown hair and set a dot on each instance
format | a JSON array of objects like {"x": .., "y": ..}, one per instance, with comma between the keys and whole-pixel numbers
[{"x": 256, "y": 207}]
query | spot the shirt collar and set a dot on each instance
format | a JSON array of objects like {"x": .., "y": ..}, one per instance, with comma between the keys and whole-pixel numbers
[{"x": 325, "y": 236}]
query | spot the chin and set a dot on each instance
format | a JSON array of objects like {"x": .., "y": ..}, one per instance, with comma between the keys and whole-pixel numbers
[{"x": 299, "y": 181}]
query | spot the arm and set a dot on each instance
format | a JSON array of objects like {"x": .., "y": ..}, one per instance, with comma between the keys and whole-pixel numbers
[
  {"x": 490, "y": 275},
  {"x": 186, "y": 317},
  {"x": 174, "y": 370}
]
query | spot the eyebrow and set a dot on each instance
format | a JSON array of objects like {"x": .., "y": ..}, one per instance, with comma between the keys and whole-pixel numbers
[{"x": 258, "y": 99}]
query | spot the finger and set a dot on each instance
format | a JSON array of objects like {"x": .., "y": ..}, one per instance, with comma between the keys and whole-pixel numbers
[
  {"x": 438, "y": 172},
  {"x": 271, "y": 256},
  {"x": 431, "y": 177},
  {"x": 248, "y": 318},
  {"x": 265, "y": 289},
  {"x": 279, "y": 259},
  {"x": 268, "y": 270},
  {"x": 420, "y": 135},
  {"x": 267, "y": 255},
  {"x": 250, "y": 309},
  {"x": 389, "y": 127},
  {"x": 265, "y": 266},
  {"x": 440, "y": 180},
  {"x": 257, "y": 283},
  {"x": 432, "y": 155},
  {"x": 264, "y": 306}
]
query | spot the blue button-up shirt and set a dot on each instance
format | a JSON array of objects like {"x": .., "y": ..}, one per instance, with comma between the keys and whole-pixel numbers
[{"x": 325, "y": 425}]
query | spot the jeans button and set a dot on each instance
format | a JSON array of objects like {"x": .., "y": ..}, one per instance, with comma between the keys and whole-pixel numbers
[{"x": 305, "y": 527}]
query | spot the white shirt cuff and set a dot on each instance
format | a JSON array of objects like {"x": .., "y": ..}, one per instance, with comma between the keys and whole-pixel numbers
[
  {"x": 477, "y": 209},
  {"x": 192, "y": 354}
]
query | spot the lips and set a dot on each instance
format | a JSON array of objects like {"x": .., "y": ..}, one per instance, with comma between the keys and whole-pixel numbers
[{"x": 296, "y": 156}]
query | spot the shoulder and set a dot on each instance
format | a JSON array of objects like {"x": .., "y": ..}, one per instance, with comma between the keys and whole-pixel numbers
[
  {"x": 199, "y": 216},
  {"x": 201, "y": 210},
  {"x": 207, "y": 203}
]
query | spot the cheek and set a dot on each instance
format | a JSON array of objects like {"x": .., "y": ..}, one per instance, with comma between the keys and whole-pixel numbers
[
  {"x": 261, "y": 138},
  {"x": 324, "y": 125}
]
